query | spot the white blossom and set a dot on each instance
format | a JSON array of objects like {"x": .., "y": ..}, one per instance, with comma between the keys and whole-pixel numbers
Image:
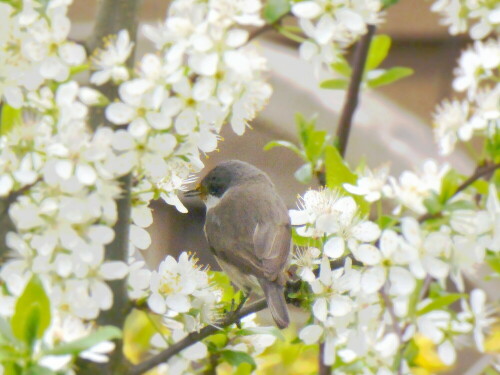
[
  {"x": 412, "y": 188},
  {"x": 332, "y": 24},
  {"x": 109, "y": 62},
  {"x": 370, "y": 184}
]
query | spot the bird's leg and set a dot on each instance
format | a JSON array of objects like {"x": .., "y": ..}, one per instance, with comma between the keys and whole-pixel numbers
[{"x": 236, "y": 309}]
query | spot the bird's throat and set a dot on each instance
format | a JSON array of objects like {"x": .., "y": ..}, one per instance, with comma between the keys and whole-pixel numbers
[{"x": 211, "y": 201}]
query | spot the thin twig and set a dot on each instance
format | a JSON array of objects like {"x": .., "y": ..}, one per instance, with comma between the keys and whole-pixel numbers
[
  {"x": 351, "y": 101},
  {"x": 261, "y": 30},
  {"x": 12, "y": 197},
  {"x": 194, "y": 337},
  {"x": 481, "y": 171}
]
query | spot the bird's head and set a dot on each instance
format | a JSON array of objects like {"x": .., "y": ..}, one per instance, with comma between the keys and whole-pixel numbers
[{"x": 222, "y": 177}]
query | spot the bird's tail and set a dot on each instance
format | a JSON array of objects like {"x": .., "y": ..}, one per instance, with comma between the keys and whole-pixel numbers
[{"x": 276, "y": 302}]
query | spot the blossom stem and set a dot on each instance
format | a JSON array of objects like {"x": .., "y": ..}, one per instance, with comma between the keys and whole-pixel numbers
[
  {"x": 194, "y": 337},
  {"x": 351, "y": 101}
]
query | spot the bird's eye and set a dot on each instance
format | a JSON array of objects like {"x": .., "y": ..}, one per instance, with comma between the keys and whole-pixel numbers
[{"x": 214, "y": 190}]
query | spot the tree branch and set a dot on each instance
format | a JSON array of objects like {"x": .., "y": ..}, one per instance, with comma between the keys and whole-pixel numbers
[
  {"x": 351, "y": 101},
  {"x": 481, "y": 171},
  {"x": 194, "y": 337},
  {"x": 113, "y": 16}
]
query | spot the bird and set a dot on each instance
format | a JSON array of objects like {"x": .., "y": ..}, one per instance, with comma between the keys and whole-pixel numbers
[{"x": 248, "y": 229}]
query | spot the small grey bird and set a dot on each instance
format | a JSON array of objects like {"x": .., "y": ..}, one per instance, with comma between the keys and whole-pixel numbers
[{"x": 248, "y": 230}]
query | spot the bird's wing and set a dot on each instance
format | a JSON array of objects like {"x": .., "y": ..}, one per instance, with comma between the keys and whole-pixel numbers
[
  {"x": 272, "y": 245},
  {"x": 251, "y": 232},
  {"x": 244, "y": 261}
]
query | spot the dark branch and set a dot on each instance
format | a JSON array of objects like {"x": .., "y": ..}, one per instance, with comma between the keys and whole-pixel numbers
[
  {"x": 481, "y": 171},
  {"x": 12, "y": 197},
  {"x": 194, "y": 337},
  {"x": 351, "y": 101}
]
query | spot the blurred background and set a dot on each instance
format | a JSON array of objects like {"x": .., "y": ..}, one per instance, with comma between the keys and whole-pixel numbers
[{"x": 393, "y": 123}]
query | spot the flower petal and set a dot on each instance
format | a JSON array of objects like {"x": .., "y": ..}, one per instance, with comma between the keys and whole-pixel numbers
[
  {"x": 311, "y": 334},
  {"x": 334, "y": 247}
]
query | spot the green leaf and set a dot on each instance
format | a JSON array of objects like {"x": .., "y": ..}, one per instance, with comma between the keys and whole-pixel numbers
[
  {"x": 459, "y": 205},
  {"x": 379, "y": 48},
  {"x": 304, "y": 127},
  {"x": 304, "y": 174},
  {"x": 75, "y": 347},
  {"x": 236, "y": 358},
  {"x": 275, "y": 9},
  {"x": 32, "y": 312},
  {"x": 78, "y": 69},
  {"x": 244, "y": 369},
  {"x": 342, "y": 67},
  {"x": 16, "y": 4},
  {"x": 449, "y": 185},
  {"x": 315, "y": 144},
  {"x": 334, "y": 84},
  {"x": 433, "y": 204},
  {"x": 11, "y": 354},
  {"x": 223, "y": 283},
  {"x": 389, "y": 76},
  {"x": 386, "y": 222},
  {"x": 494, "y": 262},
  {"x": 337, "y": 172},
  {"x": 10, "y": 117},
  {"x": 305, "y": 241},
  {"x": 411, "y": 351},
  {"x": 262, "y": 331},
  {"x": 218, "y": 341},
  {"x": 440, "y": 302},
  {"x": 481, "y": 186},
  {"x": 286, "y": 144}
]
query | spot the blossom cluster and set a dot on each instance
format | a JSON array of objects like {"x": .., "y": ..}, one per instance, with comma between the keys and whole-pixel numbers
[
  {"x": 34, "y": 48},
  {"x": 187, "y": 299},
  {"x": 195, "y": 356},
  {"x": 202, "y": 75},
  {"x": 59, "y": 176},
  {"x": 331, "y": 25},
  {"x": 480, "y": 18},
  {"x": 386, "y": 271},
  {"x": 477, "y": 76}
]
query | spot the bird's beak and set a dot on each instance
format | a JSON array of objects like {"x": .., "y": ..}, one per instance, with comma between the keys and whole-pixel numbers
[{"x": 193, "y": 193}]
